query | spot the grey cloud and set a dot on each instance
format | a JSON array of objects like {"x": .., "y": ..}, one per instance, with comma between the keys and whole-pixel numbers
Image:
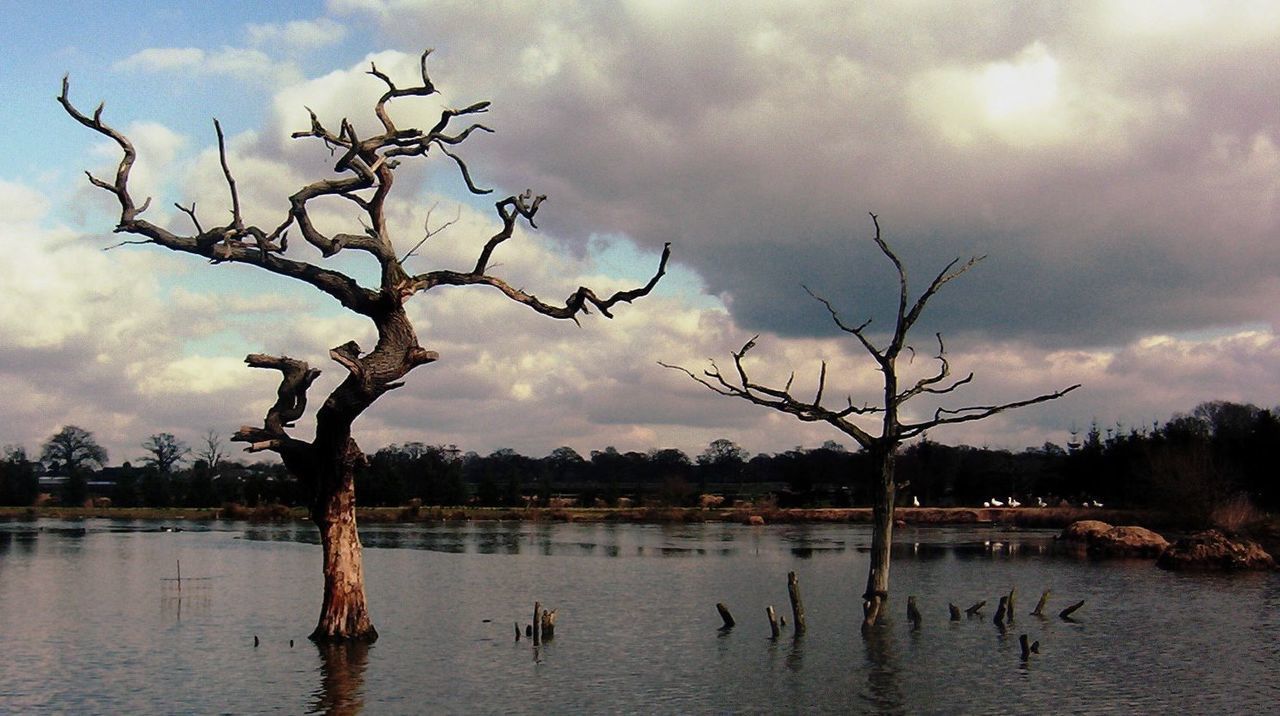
[{"x": 761, "y": 164}]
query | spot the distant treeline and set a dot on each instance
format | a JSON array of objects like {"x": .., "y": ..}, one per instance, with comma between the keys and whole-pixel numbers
[{"x": 1221, "y": 453}]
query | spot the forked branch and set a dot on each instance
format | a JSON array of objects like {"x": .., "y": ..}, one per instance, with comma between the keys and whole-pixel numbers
[{"x": 296, "y": 378}]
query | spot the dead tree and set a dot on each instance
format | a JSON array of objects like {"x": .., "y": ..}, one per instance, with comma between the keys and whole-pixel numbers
[
  {"x": 364, "y": 173},
  {"x": 893, "y": 429}
]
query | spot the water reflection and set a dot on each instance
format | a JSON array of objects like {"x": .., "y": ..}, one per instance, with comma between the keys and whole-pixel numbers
[
  {"x": 884, "y": 689},
  {"x": 342, "y": 671}
]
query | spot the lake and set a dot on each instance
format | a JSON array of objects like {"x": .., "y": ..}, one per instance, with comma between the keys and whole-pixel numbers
[{"x": 90, "y": 626}]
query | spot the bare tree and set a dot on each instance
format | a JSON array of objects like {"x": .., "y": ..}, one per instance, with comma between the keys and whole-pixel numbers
[
  {"x": 894, "y": 430},
  {"x": 211, "y": 450},
  {"x": 365, "y": 172},
  {"x": 165, "y": 452},
  {"x": 73, "y": 449}
]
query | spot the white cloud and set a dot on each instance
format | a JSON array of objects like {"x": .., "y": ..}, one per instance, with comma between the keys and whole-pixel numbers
[
  {"x": 242, "y": 64},
  {"x": 297, "y": 34},
  {"x": 162, "y": 59}
]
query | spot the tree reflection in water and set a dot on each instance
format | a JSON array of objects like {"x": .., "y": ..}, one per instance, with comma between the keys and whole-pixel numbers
[
  {"x": 342, "y": 667},
  {"x": 883, "y": 689}
]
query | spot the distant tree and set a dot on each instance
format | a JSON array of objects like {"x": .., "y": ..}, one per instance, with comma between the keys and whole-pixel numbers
[
  {"x": 211, "y": 450},
  {"x": 200, "y": 491},
  {"x": 19, "y": 484},
  {"x": 883, "y": 445},
  {"x": 73, "y": 449},
  {"x": 722, "y": 461},
  {"x": 75, "y": 491},
  {"x": 166, "y": 451},
  {"x": 365, "y": 169},
  {"x": 125, "y": 491}
]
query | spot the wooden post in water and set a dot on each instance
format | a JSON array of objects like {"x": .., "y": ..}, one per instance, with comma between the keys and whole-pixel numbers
[
  {"x": 797, "y": 606},
  {"x": 973, "y": 610},
  {"x": 517, "y": 631},
  {"x": 1044, "y": 599},
  {"x": 1001, "y": 610},
  {"x": 955, "y": 612},
  {"x": 773, "y": 621},
  {"x": 1066, "y": 613},
  {"x": 548, "y": 625},
  {"x": 537, "y": 623},
  {"x": 725, "y": 615},
  {"x": 913, "y": 612},
  {"x": 179, "y": 576},
  {"x": 1013, "y": 591},
  {"x": 1026, "y": 647}
]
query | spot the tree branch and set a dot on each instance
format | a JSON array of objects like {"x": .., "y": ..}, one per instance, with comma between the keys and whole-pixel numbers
[
  {"x": 291, "y": 402},
  {"x": 976, "y": 412},
  {"x": 780, "y": 400}
]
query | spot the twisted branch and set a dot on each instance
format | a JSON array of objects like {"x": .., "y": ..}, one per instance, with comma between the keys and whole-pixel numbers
[{"x": 296, "y": 378}]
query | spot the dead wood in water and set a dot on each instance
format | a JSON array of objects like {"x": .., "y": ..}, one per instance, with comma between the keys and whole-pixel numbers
[
  {"x": 955, "y": 612},
  {"x": 548, "y": 625},
  {"x": 1066, "y": 613},
  {"x": 973, "y": 610},
  {"x": 1044, "y": 599},
  {"x": 725, "y": 615},
  {"x": 537, "y": 623},
  {"x": 773, "y": 621},
  {"x": 913, "y": 612},
  {"x": 1001, "y": 611},
  {"x": 797, "y": 606},
  {"x": 1009, "y": 606}
]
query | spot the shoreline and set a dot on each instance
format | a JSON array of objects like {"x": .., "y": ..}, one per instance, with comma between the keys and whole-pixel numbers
[{"x": 1029, "y": 517}]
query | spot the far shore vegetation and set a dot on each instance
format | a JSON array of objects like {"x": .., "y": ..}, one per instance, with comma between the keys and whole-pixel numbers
[{"x": 1211, "y": 467}]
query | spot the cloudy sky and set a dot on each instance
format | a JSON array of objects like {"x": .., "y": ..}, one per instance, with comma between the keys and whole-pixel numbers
[{"x": 1116, "y": 162}]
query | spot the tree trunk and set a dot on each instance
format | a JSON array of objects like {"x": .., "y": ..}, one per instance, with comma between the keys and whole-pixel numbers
[
  {"x": 344, "y": 614},
  {"x": 883, "y": 494}
]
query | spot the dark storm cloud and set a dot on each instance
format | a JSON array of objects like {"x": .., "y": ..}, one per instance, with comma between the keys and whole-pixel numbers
[{"x": 758, "y": 140}]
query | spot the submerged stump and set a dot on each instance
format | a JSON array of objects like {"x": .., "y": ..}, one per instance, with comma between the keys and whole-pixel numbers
[{"x": 725, "y": 615}]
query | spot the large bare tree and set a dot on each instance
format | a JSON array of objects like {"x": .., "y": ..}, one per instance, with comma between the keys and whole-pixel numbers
[
  {"x": 894, "y": 429},
  {"x": 364, "y": 174},
  {"x": 165, "y": 450}
]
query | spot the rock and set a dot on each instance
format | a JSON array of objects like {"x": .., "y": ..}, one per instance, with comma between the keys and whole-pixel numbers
[
  {"x": 1083, "y": 530},
  {"x": 1103, "y": 540},
  {"x": 1213, "y": 550},
  {"x": 755, "y": 520},
  {"x": 1127, "y": 542}
]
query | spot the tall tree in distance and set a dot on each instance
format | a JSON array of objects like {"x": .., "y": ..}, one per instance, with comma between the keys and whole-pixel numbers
[
  {"x": 365, "y": 171},
  {"x": 881, "y": 445},
  {"x": 165, "y": 452},
  {"x": 73, "y": 450}
]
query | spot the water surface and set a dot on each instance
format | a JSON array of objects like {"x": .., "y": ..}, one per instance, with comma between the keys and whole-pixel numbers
[{"x": 90, "y": 624}]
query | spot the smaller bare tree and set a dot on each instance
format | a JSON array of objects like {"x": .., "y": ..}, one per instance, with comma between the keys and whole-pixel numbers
[
  {"x": 211, "y": 451},
  {"x": 894, "y": 430}
]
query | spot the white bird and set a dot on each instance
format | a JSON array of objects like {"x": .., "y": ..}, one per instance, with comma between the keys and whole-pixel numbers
[
  {"x": 915, "y": 501},
  {"x": 1084, "y": 504},
  {"x": 996, "y": 503},
  {"x": 1039, "y": 502},
  {"x": 1014, "y": 503},
  {"x": 1097, "y": 504},
  {"x": 987, "y": 503}
]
